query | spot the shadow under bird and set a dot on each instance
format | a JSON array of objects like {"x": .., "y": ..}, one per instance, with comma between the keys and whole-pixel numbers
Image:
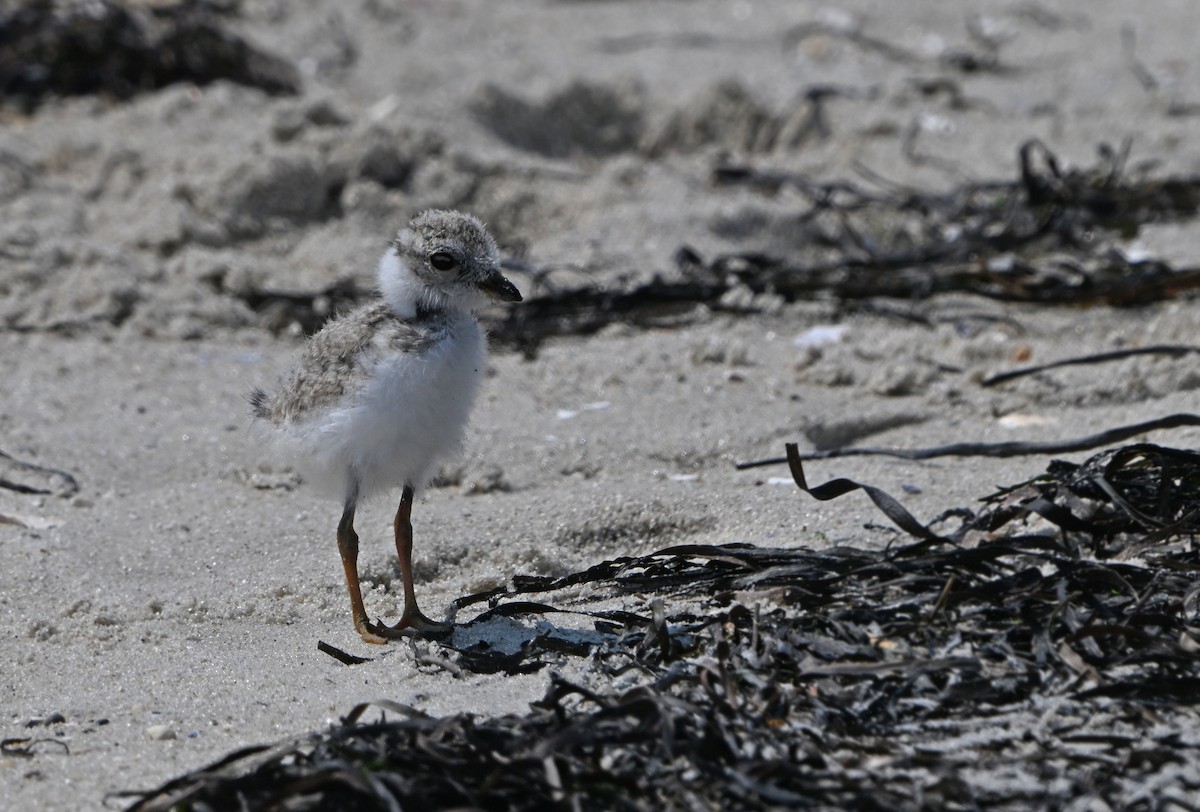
[{"x": 383, "y": 393}]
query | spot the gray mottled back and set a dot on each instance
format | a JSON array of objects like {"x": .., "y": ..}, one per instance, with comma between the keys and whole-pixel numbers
[{"x": 338, "y": 358}]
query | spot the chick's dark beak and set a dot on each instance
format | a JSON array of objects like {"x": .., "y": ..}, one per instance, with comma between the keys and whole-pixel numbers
[{"x": 500, "y": 288}]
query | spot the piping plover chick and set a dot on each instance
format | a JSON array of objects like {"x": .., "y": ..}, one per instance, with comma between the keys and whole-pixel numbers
[{"x": 383, "y": 393}]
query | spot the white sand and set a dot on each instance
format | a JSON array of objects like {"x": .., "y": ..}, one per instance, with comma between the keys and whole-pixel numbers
[{"x": 173, "y": 595}]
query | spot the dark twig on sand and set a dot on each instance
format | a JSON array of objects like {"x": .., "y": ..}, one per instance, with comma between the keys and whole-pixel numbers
[
  {"x": 341, "y": 656},
  {"x": 1172, "y": 350},
  {"x": 1014, "y": 448},
  {"x": 25, "y": 477}
]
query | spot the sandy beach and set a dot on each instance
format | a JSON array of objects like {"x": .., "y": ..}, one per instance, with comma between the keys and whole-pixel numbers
[{"x": 159, "y": 256}]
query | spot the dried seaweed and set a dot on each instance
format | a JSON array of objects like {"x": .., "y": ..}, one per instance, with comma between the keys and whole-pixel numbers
[
  {"x": 122, "y": 49},
  {"x": 1043, "y": 652},
  {"x": 584, "y": 309},
  {"x": 278, "y": 310},
  {"x": 1045, "y": 237},
  {"x": 1032, "y": 239}
]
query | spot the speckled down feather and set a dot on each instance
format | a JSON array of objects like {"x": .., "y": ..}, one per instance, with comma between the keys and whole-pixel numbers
[
  {"x": 342, "y": 355},
  {"x": 382, "y": 395}
]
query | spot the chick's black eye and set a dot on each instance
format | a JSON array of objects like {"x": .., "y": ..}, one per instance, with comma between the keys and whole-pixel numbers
[{"x": 442, "y": 261}]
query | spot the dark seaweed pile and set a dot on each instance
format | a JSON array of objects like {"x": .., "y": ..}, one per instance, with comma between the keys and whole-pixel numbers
[
  {"x": 1045, "y": 237},
  {"x": 1039, "y": 651},
  {"x": 50, "y": 48}
]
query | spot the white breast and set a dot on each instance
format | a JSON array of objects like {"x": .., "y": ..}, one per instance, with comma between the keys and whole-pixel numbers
[{"x": 409, "y": 415}]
